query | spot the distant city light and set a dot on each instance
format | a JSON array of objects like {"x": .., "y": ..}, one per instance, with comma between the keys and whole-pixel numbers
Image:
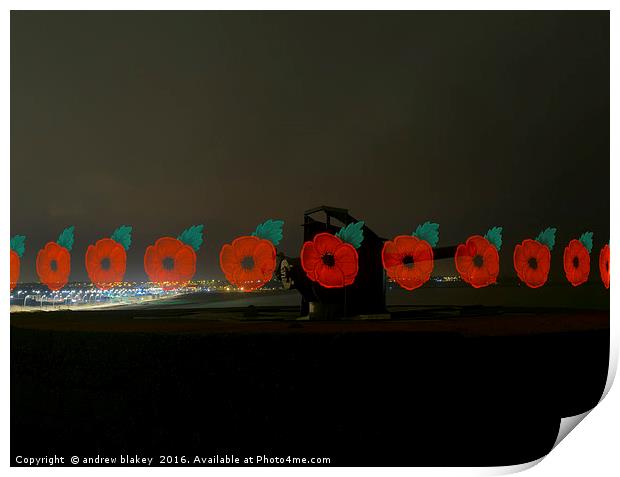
[{"x": 82, "y": 295}]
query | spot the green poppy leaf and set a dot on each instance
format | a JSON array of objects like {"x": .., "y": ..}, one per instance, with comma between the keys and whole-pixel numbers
[
  {"x": 122, "y": 235},
  {"x": 18, "y": 244},
  {"x": 494, "y": 235},
  {"x": 429, "y": 232},
  {"x": 352, "y": 233},
  {"x": 270, "y": 230},
  {"x": 66, "y": 238},
  {"x": 586, "y": 240},
  {"x": 547, "y": 237},
  {"x": 192, "y": 236}
]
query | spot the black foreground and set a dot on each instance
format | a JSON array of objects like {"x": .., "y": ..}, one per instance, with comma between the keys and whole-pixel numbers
[{"x": 428, "y": 389}]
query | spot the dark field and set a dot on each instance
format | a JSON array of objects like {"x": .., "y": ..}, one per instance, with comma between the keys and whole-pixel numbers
[{"x": 433, "y": 385}]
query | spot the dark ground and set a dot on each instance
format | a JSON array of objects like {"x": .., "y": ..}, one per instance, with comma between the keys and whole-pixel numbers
[{"x": 432, "y": 386}]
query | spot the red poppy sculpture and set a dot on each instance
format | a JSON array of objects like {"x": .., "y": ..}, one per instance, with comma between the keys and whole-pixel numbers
[
  {"x": 250, "y": 260},
  {"x": 106, "y": 260},
  {"x": 532, "y": 258},
  {"x": 332, "y": 260},
  {"x": 408, "y": 259},
  {"x": 603, "y": 265},
  {"x": 171, "y": 262},
  {"x": 54, "y": 260},
  {"x": 17, "y": 252},
  {"x": 577, "y": 259},
  {"x": 477, "y": 260}
]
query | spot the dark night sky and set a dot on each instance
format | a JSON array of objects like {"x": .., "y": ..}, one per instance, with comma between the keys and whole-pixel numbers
[{"x": 164, "y": 120}]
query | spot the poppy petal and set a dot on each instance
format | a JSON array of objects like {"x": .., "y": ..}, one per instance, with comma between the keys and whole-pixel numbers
[
  {"x": 104, "y": 247},
  {"x": 185, "y": 263},
  {"x": 152, "y": 263},
  {"x": 463, "y": 261},
  {"x": 312, "y": 273},
  {"x": 543, "y": 258},
  {"x": 533, "y": 277},
  {"x": 167, "y": 247},
  {"x": 329, "y": 277},
  {"x": 244, "y": 246},
  {"x": 346, "y": 260},
  {"x": 480, "y": 277},
  {"x": 603, "y": 265},
  {"x": 491, "y": 262},
  {"x": 310, "y": 258},
  {"x": 409, "y": 278},
  {"x": 15, "y": 268},
  {"x": 423, "y": 262},
  {"x": 519, "y": 261},
  {"x": 530, "y": 247},
  {"x": 265, "y": 257},
  {"x": 170, "y": 276},
  {"x": 520, "y": 256},
  {"x": 584, "y": 268},
  {"x": 248, "y": 279},
  {"x": 92, "y": 261},
  {"x": 326, "y": 243},
  {"x": 64, "y": 262},
  {"x": 42, "y": 264},
  {"x": 52, "y": 249},
  {"x": 229, "y": 263},
  {"x": 103, "y": 278},
  {"x": 406, "y": 244},
  {"x": 478, "y": 244},
  {"x": 390, "y": 255},
  {"x": 422, "y": 251},
  {"x": 118, "y": 261}
]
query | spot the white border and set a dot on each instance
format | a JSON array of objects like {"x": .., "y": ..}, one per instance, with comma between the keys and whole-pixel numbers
[{"x": 592, "y": 449}]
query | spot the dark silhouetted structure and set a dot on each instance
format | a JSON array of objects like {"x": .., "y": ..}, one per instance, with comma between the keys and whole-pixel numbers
[{"x": 366, "y": 296}]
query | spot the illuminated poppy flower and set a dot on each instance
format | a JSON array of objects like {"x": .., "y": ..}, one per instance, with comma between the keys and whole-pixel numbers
[
  {"x": 532, "y": 258},
  {"x": 250, "y": 260},
  {"x": 54, "y": 261},
  {"x": 15, "y": 265},
  {"x": 603, "y": 265},
  {"x": 331, "y": 260},
  {"x": 106, "y": 261},
  {"x": 577, "y": 259},
  {"x": 408, "y": 259},
  {"x": 17, "y": 251},
  {"x": 477, "y": 260},
  {"x": 171, "y": 262}
]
